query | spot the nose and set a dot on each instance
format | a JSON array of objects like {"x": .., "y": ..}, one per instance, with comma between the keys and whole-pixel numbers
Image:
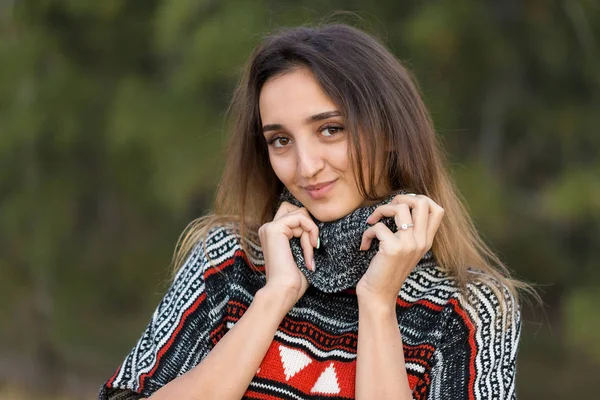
[{"x": 310, "y": 160}]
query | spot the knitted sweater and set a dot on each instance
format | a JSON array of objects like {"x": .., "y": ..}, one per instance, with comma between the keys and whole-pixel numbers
[{"x": 453, "y": 348}]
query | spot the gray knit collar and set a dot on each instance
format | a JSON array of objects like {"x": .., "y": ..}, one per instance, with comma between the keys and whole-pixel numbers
[{"x": 340, "y": 263}]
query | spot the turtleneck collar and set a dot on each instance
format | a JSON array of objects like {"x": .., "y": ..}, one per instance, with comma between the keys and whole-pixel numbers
[{"x": 340, "y": 263}]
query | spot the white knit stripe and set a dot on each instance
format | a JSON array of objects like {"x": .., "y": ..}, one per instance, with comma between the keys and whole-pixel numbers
[
  {"x": 228, "y": 236},
  {"x": 226, "y": 255},
  {"x": 309, "y": 346},
  {"x": 486, "y": 347},
  {"x": 173, "y": 324},
  {"x": 511, "y": 339},
  {"x": 185, "y": 274},
  {"x": 482, "y": 378},
  {"x": 416, "y": 368},
  {"x": 344, "y": 328},
  {"x": 516, "y": 333},
  {"x": 436, "y": 378},
  {"x": 287, "y": 393},
  {"x": 412, "y": 283},
  {"x": 428, "y": 276},
  {"x": 171, "y": 319},
  {"x": 478, "y": 341},
  {"x": 413, "y": 299},
  {"x": 502, "y": 339},
  {"x": 242, "y": 290}
]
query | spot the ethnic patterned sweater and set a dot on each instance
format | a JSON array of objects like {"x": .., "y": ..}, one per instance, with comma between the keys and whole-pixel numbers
[{"x": 455, "y": 346}]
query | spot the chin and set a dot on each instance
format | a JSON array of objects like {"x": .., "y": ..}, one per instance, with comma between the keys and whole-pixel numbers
[{"x": 328, "y": 213}]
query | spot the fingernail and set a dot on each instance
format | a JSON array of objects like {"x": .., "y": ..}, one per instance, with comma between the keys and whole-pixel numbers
[
  {"x": 410, "y": 194},
  {"x": 313, "y": 264},
  {"x": 318, "y": 242}
]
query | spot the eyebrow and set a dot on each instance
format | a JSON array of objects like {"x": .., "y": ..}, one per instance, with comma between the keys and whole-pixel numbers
[{"x": 311, "y": 119}]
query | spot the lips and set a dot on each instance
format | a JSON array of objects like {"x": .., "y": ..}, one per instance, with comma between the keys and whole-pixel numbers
[{"x": 320, "y": 190}]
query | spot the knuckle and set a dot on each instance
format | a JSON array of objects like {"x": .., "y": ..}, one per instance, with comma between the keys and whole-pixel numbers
[
  {"x": 261, "y": 230},
  {"x": 403, "y": 206},
  {"x": 410, "y": 246},
  {"x": 420, "y": 244}
]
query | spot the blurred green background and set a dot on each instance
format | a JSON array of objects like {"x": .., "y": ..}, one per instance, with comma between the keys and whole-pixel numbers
[{"x": 111, "y": 141}]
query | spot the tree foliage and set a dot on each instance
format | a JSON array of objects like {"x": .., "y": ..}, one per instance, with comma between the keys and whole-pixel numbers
[{"x": 112, "y": 138}]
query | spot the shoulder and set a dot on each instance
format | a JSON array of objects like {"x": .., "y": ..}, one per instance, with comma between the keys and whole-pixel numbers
[
  {"x": 485, "y": 296},
  {"x": 488, "y": 312},
  {"x": 483, "y": 299},
  {"x": 430, "y": 285},
  {"x": 218, "y": 248}
]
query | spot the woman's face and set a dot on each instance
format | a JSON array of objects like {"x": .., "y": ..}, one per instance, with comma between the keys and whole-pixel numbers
[{"x": 308, "y": 145}]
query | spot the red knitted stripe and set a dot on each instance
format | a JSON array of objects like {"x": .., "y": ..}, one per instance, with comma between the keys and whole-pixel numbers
[
  {"x": 112, "y": 379},
  {"x": 421, "y": 392},
  {"x": 469, "y": 324},
  {"x": 218, "y": 268},
  {"x": 419, "y": 347},
  {"x": 305, "y": 330},
  {"x": 425, "y": 303},
  {"x": 217, "y": 333},
  {"x": 319, "y": 338},
  {"x": 166, "y": 347}
]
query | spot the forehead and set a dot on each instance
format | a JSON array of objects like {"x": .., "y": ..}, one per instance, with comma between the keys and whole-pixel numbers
[{"x": 293, "y": 95}]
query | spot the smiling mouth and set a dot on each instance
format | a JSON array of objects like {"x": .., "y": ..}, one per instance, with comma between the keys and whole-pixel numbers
[{"x": 320, "y": 190}]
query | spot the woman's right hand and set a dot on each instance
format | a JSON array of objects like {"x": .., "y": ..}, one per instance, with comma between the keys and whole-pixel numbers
[{"x": 283, "y": 275}]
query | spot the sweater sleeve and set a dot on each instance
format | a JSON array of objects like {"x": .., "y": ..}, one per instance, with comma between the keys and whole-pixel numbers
[
  {"x": 177, "y": 338},
  {"x": 477, "y": 356}
]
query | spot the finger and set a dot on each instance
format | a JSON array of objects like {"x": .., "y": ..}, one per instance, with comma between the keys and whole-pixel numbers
[
  {"x": 420, "y": 218},
  {"x": 413, "y": 200},
  {"x": 284, "y": 209},
  {"x": 313, "y": 240},
  {"x": 435, "y": 220},
  {"x": 423, "y": 209},
  {"x": 296, "y": 220},
  {"x": 403, "y": 216},
  {"x": 307, "y": 251},
  {"x": 387, "y": 210},
  {"x": 379, "y": 231},
  {"x": 399, "y": 211}
]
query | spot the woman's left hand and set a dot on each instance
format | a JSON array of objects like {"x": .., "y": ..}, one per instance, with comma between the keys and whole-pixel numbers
[{"x": 399, "y": 252}]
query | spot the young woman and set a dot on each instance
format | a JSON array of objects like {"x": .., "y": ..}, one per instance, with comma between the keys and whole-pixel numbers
[{"x": 339, "y": 262}]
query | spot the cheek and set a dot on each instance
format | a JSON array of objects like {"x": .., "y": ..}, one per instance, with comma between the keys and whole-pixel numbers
[
  {"x": 283, "y": 168},
  {"x": 338, "y": 158}
]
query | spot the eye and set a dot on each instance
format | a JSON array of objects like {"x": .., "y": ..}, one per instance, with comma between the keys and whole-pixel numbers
[
  {"x": 279, "y": 141},
  {"x": 331, "y": 130}
]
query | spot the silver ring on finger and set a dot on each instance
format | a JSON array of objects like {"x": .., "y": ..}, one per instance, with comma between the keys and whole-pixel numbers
[{"x": 404, "y": 227}]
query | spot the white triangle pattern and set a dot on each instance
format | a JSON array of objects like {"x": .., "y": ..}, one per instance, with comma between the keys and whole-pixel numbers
[
  {"x": 327, "y": 382},
  {"x": 293, "y": 361}
]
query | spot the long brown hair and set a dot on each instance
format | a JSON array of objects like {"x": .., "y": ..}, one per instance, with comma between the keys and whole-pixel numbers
[{"x": 389, "y": 127}]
